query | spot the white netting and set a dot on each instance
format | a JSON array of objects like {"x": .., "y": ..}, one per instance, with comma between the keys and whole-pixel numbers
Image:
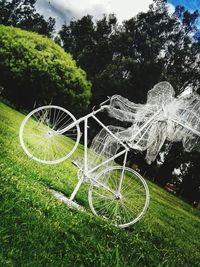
[
  {"x": 103, "y": 147},
  {"x": 163, "y": 117}
]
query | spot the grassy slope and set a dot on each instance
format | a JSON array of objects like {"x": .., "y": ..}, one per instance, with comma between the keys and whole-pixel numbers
[{"x": 38, "y": 230}]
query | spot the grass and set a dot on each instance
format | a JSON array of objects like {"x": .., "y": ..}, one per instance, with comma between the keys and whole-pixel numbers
[{"x": 38, "y": 230}]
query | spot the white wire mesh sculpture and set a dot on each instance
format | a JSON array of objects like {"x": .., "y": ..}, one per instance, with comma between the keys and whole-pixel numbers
[
  {"x": 50, "y": 134},
  {"x": 162, "y": 118}
]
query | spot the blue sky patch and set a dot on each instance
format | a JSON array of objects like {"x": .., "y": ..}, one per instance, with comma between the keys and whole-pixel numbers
[
  {"x": 191, "y": 5},
  {"x": 188, "y": 4}
]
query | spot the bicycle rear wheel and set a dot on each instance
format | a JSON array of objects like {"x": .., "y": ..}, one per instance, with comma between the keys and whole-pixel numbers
[
  {"x": 42, "y": 138},
  {"x": 125, "y": 208}
]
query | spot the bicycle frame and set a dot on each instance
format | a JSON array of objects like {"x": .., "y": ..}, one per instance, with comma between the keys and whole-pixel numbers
[
  {"x": 87, "y": 172},
  {"x": 117, "y": 193}
]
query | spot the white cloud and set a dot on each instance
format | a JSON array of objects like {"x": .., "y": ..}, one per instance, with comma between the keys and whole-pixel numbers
[
  {"x": 126, "y": 9},
  {"x": 78, "y": 7},
  {"x": 171, "y": 8},
  {"x": 68, "y": 9}
]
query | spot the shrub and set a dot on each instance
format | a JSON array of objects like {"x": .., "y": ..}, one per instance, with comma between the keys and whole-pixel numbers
[{"x": 35, "y": 69}]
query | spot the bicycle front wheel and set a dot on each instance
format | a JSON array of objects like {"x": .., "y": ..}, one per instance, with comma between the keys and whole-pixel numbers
[
  {"x": 42, "y": 136},
  {"x": 122, "y": 208}
]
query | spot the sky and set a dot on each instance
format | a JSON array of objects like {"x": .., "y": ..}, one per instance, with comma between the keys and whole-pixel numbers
[
  {"x": 191, "y": 5},
  {"x": 65, "y": 10}
]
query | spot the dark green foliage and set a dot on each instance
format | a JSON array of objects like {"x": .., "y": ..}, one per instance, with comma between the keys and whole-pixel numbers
[
  {"x": 22, "y": 14},
  {"x": 35, "y": 69},
  {"x": 131, "y": 58}
]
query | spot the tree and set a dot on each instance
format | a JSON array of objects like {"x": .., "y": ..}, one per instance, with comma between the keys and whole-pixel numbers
[
  {"x": 131, "y": 58},
  {"x": 189, "y": 177},
  {"x": 34, "y": 68},
  {"x": 90, "y": 43},
  {"x": 160, "y": 47},
  {"x": 92, "y": 46},
  {"x": 182, "y": 54},
  {"x": 22, "y": 14}
]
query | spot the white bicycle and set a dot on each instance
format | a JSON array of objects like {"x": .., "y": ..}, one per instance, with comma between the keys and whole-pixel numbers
[{"x": 50, "y": 134}]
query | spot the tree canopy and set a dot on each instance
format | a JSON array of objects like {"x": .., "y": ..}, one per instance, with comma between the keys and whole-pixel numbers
[
  {"x": 129, "y": 59},
  {"x": 22, "y": 14},
  {"x": 34, "y": 68}
]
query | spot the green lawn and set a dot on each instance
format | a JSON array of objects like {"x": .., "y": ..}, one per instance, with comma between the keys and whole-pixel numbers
[{"x": 38, "y": 230}]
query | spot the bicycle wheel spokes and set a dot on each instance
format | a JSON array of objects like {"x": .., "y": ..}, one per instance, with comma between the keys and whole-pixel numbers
[
  {"x": 129, "y": 205},
  {"x": 40, "y": 134}
]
